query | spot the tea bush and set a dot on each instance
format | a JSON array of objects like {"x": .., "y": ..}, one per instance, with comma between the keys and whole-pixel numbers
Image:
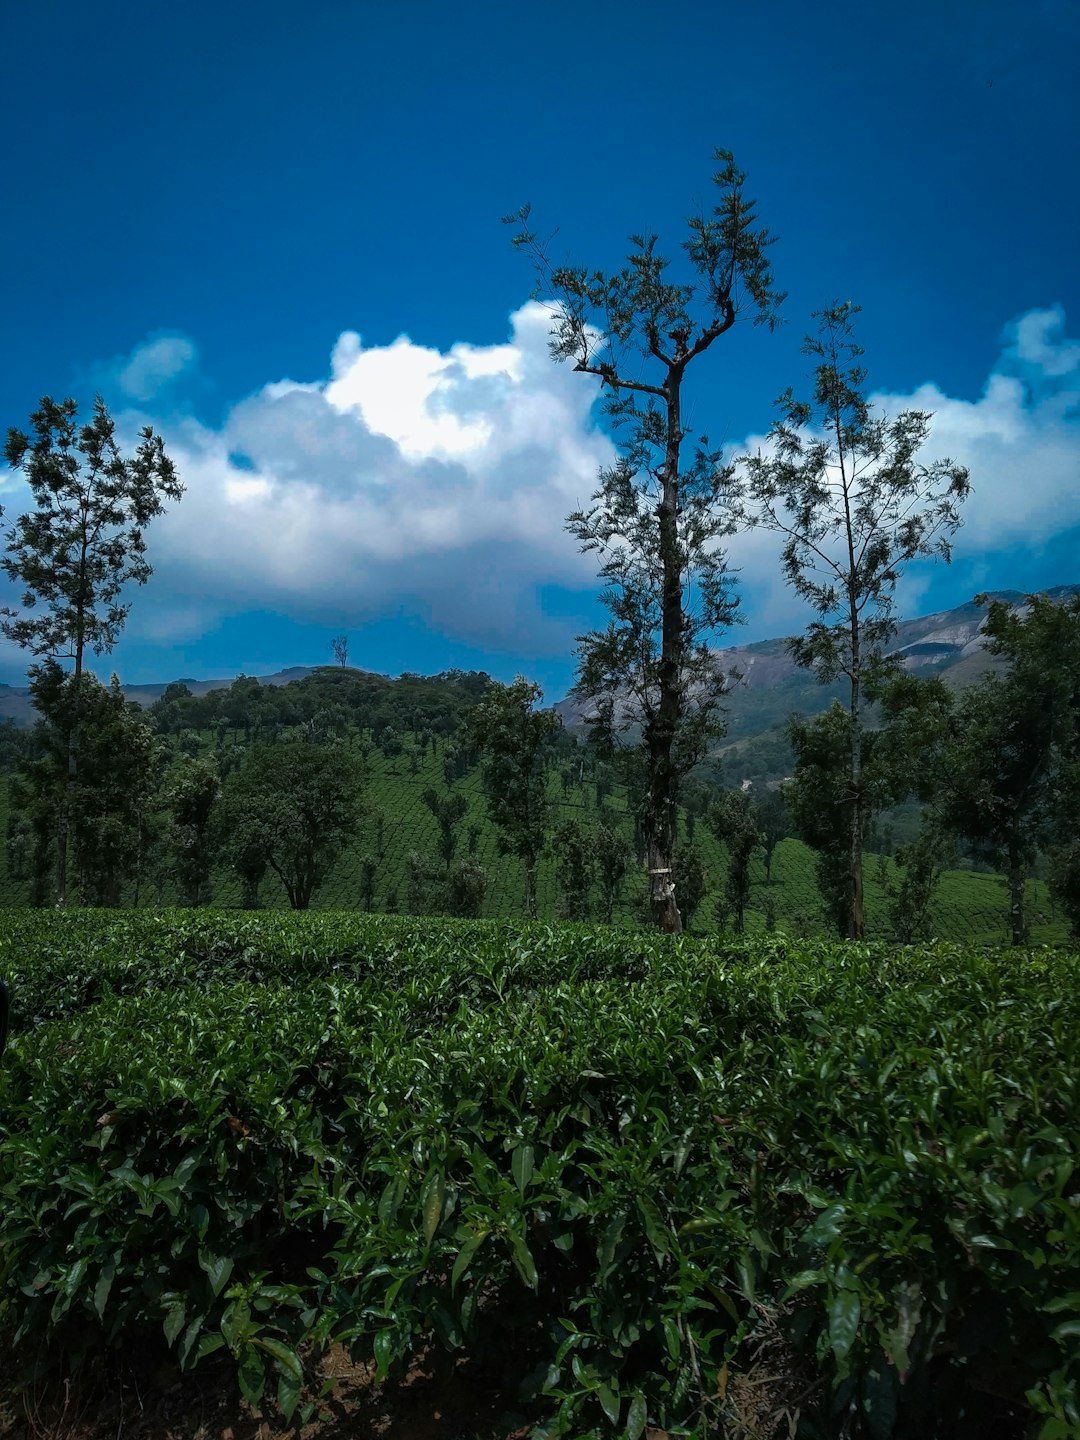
[{"x": 630, "y": 1162}]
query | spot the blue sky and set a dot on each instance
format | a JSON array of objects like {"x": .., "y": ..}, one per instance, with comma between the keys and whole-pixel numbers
[{"x": 272, "y": 231}]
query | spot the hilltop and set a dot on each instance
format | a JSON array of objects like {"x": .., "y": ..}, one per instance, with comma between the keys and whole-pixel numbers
[{"x": 767, "y": 685}]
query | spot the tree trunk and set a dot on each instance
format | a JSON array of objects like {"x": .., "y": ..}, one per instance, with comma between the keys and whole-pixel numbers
[
  {"x": 67, "y": 809},
  {"x": 1016, "y": 877},
  {"x": 856, "y": 918},
  {"x": 664, "y": 725},
  {"x": 530, "y": 889}
]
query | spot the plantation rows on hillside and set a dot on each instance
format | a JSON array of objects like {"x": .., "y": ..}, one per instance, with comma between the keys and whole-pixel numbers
[
  {"x": 659, "y": 1182},
  {"x": 968, "y": 905}
]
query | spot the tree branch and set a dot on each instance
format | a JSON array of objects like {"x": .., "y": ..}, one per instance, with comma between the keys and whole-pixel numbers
[{"x": 607, "y": 374}]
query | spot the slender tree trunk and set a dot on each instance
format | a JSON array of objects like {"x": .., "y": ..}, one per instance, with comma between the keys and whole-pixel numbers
[
  {"x": 1016, "y": 878},
  {"x": 67, "y": 809},
  {"x": 530, "y": 888},
  {"x": 857, "y": 918},
  {"x": 664, "y": 726}
]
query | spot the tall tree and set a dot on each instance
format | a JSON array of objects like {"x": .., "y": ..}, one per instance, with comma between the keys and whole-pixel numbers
[
  {"x": 340, "y": 647},
  {"x": 513, "y": 740},
  {"x": 290, "y": 808},
  {"x": 116, "y": 780},
  {"x": 846, "y": 490},
  {"x": 79, "y": 548},
  {"x": 614, "y": 854},
  {"x": 575, "y": 866},
  {"x": 1015, "y": 757},
  {"x": 655, "y": 520},
  {"x": 448, "y": 811},
  {"x": 190, "y": 791},
  {"x": 775, "y": 824},
  {"x": 733, "y": 819}
]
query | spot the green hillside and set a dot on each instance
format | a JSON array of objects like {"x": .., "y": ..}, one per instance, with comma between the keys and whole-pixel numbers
[{"x": 969, "y": 905}]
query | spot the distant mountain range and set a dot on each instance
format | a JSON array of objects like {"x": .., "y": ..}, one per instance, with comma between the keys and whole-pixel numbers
[{"x": 772, "y": 686}]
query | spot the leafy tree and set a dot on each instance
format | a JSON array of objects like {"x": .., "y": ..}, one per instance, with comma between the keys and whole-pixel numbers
[
  {"x": 910, "y": 889},
  {"x": 574, "y": 869},
  {"x": 422, "y": 895},
  {"x": 512, "y": 738},
  {"x": 369, "y": 866},
  {"x": 114, "y": 785},
  {"x": 78, "y": 549},
  {"x": 170, "y": 713},
  {"x": 734, "y": 821},
  {"x": 290, "y": 808},
  {"x": 1015, "y": 754},
  {"x": 466, "y": 888},
  {"x": 656, "y": 518},
  {"x": 775, "y": 824},
  {"x": 691, "y": 882},
  {"x": 457, "y": 762},
  {"x": 819, "y": 802},
  {"x": 613, "y": 854},
  {"x": 189, "y": 794},
  {"x": 390, "y": 742},
  {"x": 448, "y": 811},
  {"x": 854, "y": 504}
]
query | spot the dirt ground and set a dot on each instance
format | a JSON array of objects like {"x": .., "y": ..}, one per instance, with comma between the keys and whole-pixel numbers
[{"x": 436, "y": 1400}]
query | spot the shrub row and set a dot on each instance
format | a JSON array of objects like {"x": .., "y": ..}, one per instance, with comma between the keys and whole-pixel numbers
[{"x": 855, "y": 1161}]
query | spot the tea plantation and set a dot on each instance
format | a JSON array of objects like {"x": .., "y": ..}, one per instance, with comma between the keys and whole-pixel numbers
[
  {"x": 968, "y": 905},
  {"x": 670, "y": 1186}
]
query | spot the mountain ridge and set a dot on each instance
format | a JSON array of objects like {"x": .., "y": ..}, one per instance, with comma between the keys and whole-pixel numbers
[{"x": 945, "y": 641}]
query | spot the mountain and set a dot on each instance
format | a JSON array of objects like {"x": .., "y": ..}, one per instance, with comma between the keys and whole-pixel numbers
[
  {"x": 769, "y": 687},
  {"x": 15, "y": 699}
]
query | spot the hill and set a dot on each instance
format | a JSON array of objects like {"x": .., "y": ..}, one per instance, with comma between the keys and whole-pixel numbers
[{"x": 767, "y": 685}]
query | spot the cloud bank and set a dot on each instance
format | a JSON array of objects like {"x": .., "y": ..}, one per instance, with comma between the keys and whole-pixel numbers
[
  {"x": 411, "y": 481},
  {"x": 1021, "y": 443},
  {"x": 436, "y": 484}
]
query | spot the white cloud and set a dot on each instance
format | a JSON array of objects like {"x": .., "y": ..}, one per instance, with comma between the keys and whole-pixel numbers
[
  {"x": 153, "y": 365},
  {"x": 412, "y": 479},
  {"x": 1019, "y": 440},
  {"x": 436, "y": 484}
]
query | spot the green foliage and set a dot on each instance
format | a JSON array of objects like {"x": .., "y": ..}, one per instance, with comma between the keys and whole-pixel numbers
[
  {"x": 655, "y": 521},
  {"x": 733, "y": 819},
  {"x": 575, "y": 868},
  {"x": 691, "y": 881},
  {"x": 513, "y": 740},
  {"x": 106, "y": 800},
  {"x": 910, "y": 890},
  {"x": 74, "y": 554},
  {"x": 448, "y": 811},
  {"x": 290, "y": 808},
  {"x": 1014, "y": 760},
  {"x": 190, "y": 791},
  {"x": 636, "y": 1163},
  {"x": 853, "y": 503},
  {"x": 85, "y": 541}
]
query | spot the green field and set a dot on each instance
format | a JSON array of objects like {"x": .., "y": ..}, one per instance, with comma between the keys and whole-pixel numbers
[
  {"x": 968, "y": 906},
  {"x": 713, "y": 1189}
]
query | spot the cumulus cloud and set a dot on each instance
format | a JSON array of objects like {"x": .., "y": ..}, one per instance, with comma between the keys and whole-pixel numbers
[
  {"x": 432, "y": 484},
  {"x": 411, "y": 480},
  {"x": 1019, "y": 440}
]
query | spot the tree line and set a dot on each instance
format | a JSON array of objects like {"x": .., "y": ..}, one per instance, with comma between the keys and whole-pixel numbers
[{"x": 846, "y": 489}]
